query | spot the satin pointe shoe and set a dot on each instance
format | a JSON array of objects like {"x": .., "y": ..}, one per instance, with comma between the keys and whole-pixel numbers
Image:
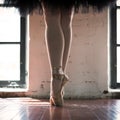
[{"x": 57, "y": 85}]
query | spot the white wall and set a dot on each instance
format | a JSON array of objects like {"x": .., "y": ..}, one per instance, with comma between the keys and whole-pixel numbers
[{"x": 87, "y": 67}]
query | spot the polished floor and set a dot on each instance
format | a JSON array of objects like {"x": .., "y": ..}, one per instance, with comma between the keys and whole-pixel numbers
[{"x": 36, "y": 109}]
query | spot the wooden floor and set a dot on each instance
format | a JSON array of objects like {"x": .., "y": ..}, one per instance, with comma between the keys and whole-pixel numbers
[{"x": 34, "y": 109}]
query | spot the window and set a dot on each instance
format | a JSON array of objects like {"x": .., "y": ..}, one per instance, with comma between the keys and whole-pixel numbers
[
  {"x": 13, "y": 45},
  {"x": 115, "y": 45}
]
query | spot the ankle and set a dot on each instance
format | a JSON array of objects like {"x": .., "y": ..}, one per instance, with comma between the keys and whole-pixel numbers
[{"x": 57, "y": 70}]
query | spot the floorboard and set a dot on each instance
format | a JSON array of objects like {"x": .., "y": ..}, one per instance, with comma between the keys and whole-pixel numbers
[{"x": 37, "y": 109}]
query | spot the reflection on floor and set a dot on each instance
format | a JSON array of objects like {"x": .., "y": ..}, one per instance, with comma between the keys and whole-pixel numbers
[{"x": 34, "y": 109}]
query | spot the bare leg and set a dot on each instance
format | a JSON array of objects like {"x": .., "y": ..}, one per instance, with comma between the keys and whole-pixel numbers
[
  {"x": 54, "y": 36},
  {"x": 55, "y": 21},
  {"x": 66, "y": 24},
  {"x": 55, "y": 43}
]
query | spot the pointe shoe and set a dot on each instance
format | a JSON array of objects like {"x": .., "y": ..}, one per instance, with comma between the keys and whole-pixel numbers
[
  {"x": 56, "y": 98},
  {"x": 57, "y": 85},
  {"x": 65, "y": 80}
]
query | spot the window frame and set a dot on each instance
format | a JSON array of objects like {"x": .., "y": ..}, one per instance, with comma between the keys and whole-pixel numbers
[
  {"x": 113, "y": 47},
  {"x": 22, "y": 83}
]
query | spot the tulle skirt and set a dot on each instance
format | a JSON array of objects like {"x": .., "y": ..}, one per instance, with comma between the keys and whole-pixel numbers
[{"x": 28, "y": 6}]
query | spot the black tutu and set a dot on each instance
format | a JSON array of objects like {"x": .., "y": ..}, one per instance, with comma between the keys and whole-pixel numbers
[{"x": 28, "y": 6}]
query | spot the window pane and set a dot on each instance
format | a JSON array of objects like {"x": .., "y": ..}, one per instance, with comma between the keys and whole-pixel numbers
[
  {"x": 1, "y": 1},
  {"x": 118, "y": 2},
  {"x": 9, "y": 62},
  {"x": 118, "y": 64},
  {"x": 118, "y": 26},
  {"x": 9, "y": 25}
]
